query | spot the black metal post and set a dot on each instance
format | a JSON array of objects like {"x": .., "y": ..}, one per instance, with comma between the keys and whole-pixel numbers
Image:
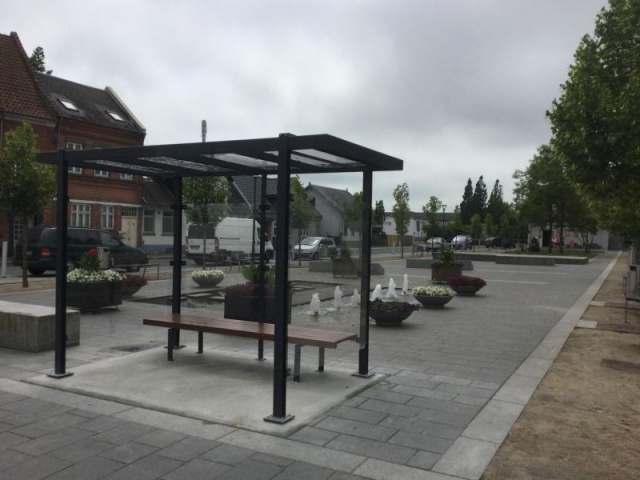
[
  {"x": 443, "y": 208},
  {"x": 253, "y": 219},
  {"x": 263, "y": 215},
  {"x": 62, "y": 201},
  {"x": 177, "y": 248},
  {"x": 365, "y": 279},
  {"x": 282, "y": 282}
]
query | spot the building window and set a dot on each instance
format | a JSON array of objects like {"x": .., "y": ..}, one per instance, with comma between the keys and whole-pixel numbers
[
  {"x": 129, "y": 212},
  {"x": 149, "y": 222},
  {"x": 126, "y": 176},
  {"x": 80, "y": 215},
  {"x": 74, "y": 146},
  {"x": 115, "y": 116},
  {"x": 106, "y": 217},
  {"x": 68, "y": 105},
  {"x": 167, "y": 222},
  {"x": 101, "y": 173}
]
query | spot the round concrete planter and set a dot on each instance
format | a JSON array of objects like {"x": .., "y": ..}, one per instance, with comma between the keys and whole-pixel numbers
[{"x": 433, "y": 302}]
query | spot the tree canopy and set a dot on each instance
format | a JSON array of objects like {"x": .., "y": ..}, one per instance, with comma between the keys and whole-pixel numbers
[
  {"x": 36, "y": 60},
  {"x": 594, "y": 122},
  {"x": 465, "y": 205},
  {"x": 26, "y": 186},
  {"x": 401, "y": 212},
  {"x": 353, "y": 213},
  {"x": 300, "y": 211},
  {"x": 432, "y": 227},
  {"x": 206, "y": 199}
]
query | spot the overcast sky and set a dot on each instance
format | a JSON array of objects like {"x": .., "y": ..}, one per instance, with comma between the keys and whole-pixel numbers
[{"x": 455, "y": 88}]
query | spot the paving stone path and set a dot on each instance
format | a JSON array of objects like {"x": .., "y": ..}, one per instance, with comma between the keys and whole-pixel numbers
[{"x": 455, "y": 381}]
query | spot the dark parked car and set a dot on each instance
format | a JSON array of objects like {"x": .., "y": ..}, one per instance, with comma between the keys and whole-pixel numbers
[
  {"x": 41, "y": 251},
  {"x": 498, "y": 242}
]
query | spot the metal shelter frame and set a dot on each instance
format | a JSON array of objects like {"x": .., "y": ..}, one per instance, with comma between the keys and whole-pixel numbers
[{"x": 283, "y": 156}]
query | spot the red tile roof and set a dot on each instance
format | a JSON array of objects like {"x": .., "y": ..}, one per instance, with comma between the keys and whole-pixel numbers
[{"x": 19, "y": 93}]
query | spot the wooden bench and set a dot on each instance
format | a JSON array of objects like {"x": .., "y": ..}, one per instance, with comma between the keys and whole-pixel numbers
[{"x": 298, "y": 336}]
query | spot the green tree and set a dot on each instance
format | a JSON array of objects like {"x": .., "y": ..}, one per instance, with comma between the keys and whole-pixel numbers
[
  {"x": 544, "y": 192},
  {"x": 300, "y": 211},
  {"x": 26, "y": 186},
  {"x": 496, "y": 206},
  {"x": 475, "y": 227},
  {"x": 206, "y": 199},
  {"x": 594, "y": 122},
  {"x": 478, "y": 205},
  {"x": 353, "y": 213},
  {"x": 401, "y": 213},
  {"x": 465, "y": 205},
  {"x": 36, "y": 60},
  {"x": 489, "y": 227},
  {"x": 455, "y": 226},
  {"x": 432, "y": 227},
  {"x": 378, "y": 213}
]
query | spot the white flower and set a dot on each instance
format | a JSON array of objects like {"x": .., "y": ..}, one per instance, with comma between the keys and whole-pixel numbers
[
  {"x": 207, "y": 274},
  {"x": 80, "y": 275},
  {"x": 432, "y": 291}
]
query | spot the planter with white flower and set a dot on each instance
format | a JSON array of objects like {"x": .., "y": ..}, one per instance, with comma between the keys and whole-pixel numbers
[
  {"x": 432, "y": 296},
  {"x": 207, "y": 278},
  {"x": 467, "y": 286},
  {"x": 89, "y": 289}
]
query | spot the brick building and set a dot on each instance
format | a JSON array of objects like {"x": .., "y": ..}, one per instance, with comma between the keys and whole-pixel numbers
[{"x": 65, "y": 114}]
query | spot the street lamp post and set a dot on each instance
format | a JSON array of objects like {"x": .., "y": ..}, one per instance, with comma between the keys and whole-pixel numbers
[{"x": 443, "y": 207}]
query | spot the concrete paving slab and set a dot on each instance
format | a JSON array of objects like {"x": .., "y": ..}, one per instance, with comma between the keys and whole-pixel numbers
[
  {"x": 231, "y": 388},
  {"x": 591, "y": 324},
  {"x": 380, "y": 470},
  {"x": 467, "y": 458}
]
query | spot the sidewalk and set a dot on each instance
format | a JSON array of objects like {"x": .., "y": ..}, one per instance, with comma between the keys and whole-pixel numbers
[{"x": 455, "y": 381}]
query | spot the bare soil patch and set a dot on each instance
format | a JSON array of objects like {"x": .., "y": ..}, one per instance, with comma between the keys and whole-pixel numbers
[{"x": 583, "y": 421}]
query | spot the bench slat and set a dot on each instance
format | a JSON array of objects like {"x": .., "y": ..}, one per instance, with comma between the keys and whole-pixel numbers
[{"x": 263, "y": 331}]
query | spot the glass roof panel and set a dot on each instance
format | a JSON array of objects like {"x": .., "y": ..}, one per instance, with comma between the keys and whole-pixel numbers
[
  {"x": 183, "y": 164},
  {"x": 243, "y": 160},
  {"x": 310, "y": 161},
  {"x": 328, "y": 157},
  {"x": 127, "y": 166}
]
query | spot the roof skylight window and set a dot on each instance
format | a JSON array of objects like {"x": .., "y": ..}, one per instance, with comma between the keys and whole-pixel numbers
[
  {"x": 68, "y": 105},
  {"x": 115, "y": 116}
]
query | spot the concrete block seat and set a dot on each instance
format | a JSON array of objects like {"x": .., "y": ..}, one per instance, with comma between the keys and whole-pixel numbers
[
  {"x": 428, "y": 262},
  {"x": 32, "y": 328}
]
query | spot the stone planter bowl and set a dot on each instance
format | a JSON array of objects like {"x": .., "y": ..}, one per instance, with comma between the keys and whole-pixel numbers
[
  {"x": 207, "y": 282},
  {"x": 389, "y": 319},
  {"x": 428, "y": 301},
  {"x": 465, "y": 290}
]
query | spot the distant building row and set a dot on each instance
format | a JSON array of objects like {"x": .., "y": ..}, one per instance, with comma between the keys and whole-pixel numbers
[{"x": 68, "y": 115}]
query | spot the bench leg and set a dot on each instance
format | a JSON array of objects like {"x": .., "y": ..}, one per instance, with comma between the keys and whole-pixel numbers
[
  {"x": 296, "y": 363},
  {"x": 261, "y": 350},
  {"x": 200, "y": 342},
  {"x": 172, "y": 340},
  {"x": 320, "y": 359}
]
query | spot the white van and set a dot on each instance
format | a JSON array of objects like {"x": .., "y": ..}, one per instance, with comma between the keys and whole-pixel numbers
[{"x": 231, "y": 234}]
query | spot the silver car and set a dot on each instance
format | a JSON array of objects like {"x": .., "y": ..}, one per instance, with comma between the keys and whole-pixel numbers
[
  {"x": 313, "y": 248},
  {"x": 461, "y": 242},
  {"x": 436, "y": 243}
]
